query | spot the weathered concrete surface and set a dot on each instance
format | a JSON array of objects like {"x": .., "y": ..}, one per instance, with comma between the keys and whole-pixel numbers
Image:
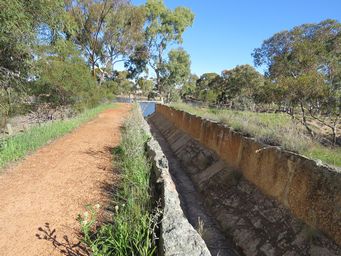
[
  {"x": 258, "y": 224},
  {"x": 311, "y": 191},
  {"x": 193, "y": 206},
  {"x": 177, "y": 236}
]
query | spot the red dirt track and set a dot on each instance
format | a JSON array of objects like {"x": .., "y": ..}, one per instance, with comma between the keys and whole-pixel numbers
[{"x": 48, "y": 189}]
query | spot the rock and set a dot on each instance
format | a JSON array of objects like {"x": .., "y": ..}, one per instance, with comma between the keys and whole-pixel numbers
[
  {"x": 290, "y": 253},
  {"x": 177, "y": 235},
  {"x": 318, "y": 251},
  {"x": 268, "y": 249},
  {"x": 247, "y": 240},
  {"x": 9, "y": 129}
]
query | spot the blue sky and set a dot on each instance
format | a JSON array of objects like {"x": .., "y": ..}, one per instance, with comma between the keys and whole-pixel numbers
[{"x": 225, "y": 32}]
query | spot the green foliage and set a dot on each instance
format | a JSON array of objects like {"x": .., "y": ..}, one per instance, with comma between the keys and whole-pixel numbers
[
  {"x": 176, "y": 72},
  {"x": 146, "y": 86},
  {"x": 47, "y": 46},
  {"x": 64, "y": 79},
  {"x": 206, "y": 87},
  {"x": 164, "y": 27},
  {"x": 133, "y": 225},
  {"x": 15, "y": 147},
  {"x": 15, "y": 27},
  {"x": 107, "y": 31},
  {"x": 123, "y": 34},
  {"x": 120, "y": 84},
  {"x": 178, "y": 67},
  {"x": 239, "y": 83},
  {"x": 189, "y": 87},
  {"x": 19, "y": 21},
  {"x": 302, "y": 64}
]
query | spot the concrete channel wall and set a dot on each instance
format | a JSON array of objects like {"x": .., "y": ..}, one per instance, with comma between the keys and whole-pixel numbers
[
  {"x": 311, "y": 191},
  {"x": 177, "y": 236}
]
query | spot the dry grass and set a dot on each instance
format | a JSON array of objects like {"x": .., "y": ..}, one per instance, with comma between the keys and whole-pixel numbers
[{"x": 270, "y": 128}]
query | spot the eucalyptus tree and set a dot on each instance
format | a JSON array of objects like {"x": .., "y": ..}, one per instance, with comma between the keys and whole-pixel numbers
[
  {"x": 206, "y": 87},
  {"x": 93, "y": 23},
  {"x": 123, "y": 35},
  {"x": 163, "y": 27},
  {"x": 304, "y": 63},
  {"x": 145, "y": 85},
  {"x": 20, "y": 25},
  {"x": 239, "y": 84},
  {"x": 176, "y": 72},
  {"x": 189, "y": 87}
]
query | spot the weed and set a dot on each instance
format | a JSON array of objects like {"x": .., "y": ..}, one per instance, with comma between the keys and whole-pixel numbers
[
  {"x": 310, "y": 233},
  {"x": 235, "y": 176},
  {"x": 200, "y": 227}
]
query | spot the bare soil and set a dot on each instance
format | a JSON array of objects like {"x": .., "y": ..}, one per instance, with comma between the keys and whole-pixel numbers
[{"x": 42, "y": 196}]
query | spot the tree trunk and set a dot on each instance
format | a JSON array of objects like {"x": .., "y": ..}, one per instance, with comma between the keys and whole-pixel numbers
[
  {"x": 292, "y": 112},
  {"x": 93, "y": 69},
  {"x": 334, "y": 131},
  {"x": 158, "y": 67},
  {"x": 158, "y": 80},
  {"x": 9, "y": 100},
  {"x": 304, "y": 121}
]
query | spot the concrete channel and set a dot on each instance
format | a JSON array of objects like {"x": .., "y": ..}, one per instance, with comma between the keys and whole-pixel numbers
[
  {"x": 193, "y": 205},
  {"x": 231, "y": 214}
]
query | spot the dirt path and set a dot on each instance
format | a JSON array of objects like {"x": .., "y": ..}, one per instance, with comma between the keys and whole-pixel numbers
[{"x": 47, "y": 190}]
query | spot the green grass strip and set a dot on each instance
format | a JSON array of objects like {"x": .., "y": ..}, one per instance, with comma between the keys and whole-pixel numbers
[
  {"x": 16, "y": 147},
  {"x": 132, "y": 229}
]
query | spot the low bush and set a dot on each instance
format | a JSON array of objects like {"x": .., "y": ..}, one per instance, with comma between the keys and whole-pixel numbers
[{"x": 65, "y": 79}]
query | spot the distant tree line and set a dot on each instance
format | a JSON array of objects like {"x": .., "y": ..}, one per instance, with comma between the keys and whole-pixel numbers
[
  {"x": 302, "y": 77},
  {"x": 65, "y": 52}
]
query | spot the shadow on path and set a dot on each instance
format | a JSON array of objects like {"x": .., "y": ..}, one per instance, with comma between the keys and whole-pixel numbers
[{"x": 64, "y": 245}]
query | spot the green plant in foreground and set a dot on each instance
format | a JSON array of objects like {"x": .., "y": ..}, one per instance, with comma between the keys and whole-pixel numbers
[
  {"x": 15, "y": 147},
  {"x": 133, "y": 222}
]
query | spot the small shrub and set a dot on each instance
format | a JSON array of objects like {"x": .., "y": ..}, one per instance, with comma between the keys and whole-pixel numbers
[
  {"x": 310, "y": 233},
  {"x": 200, "y": 228}
]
